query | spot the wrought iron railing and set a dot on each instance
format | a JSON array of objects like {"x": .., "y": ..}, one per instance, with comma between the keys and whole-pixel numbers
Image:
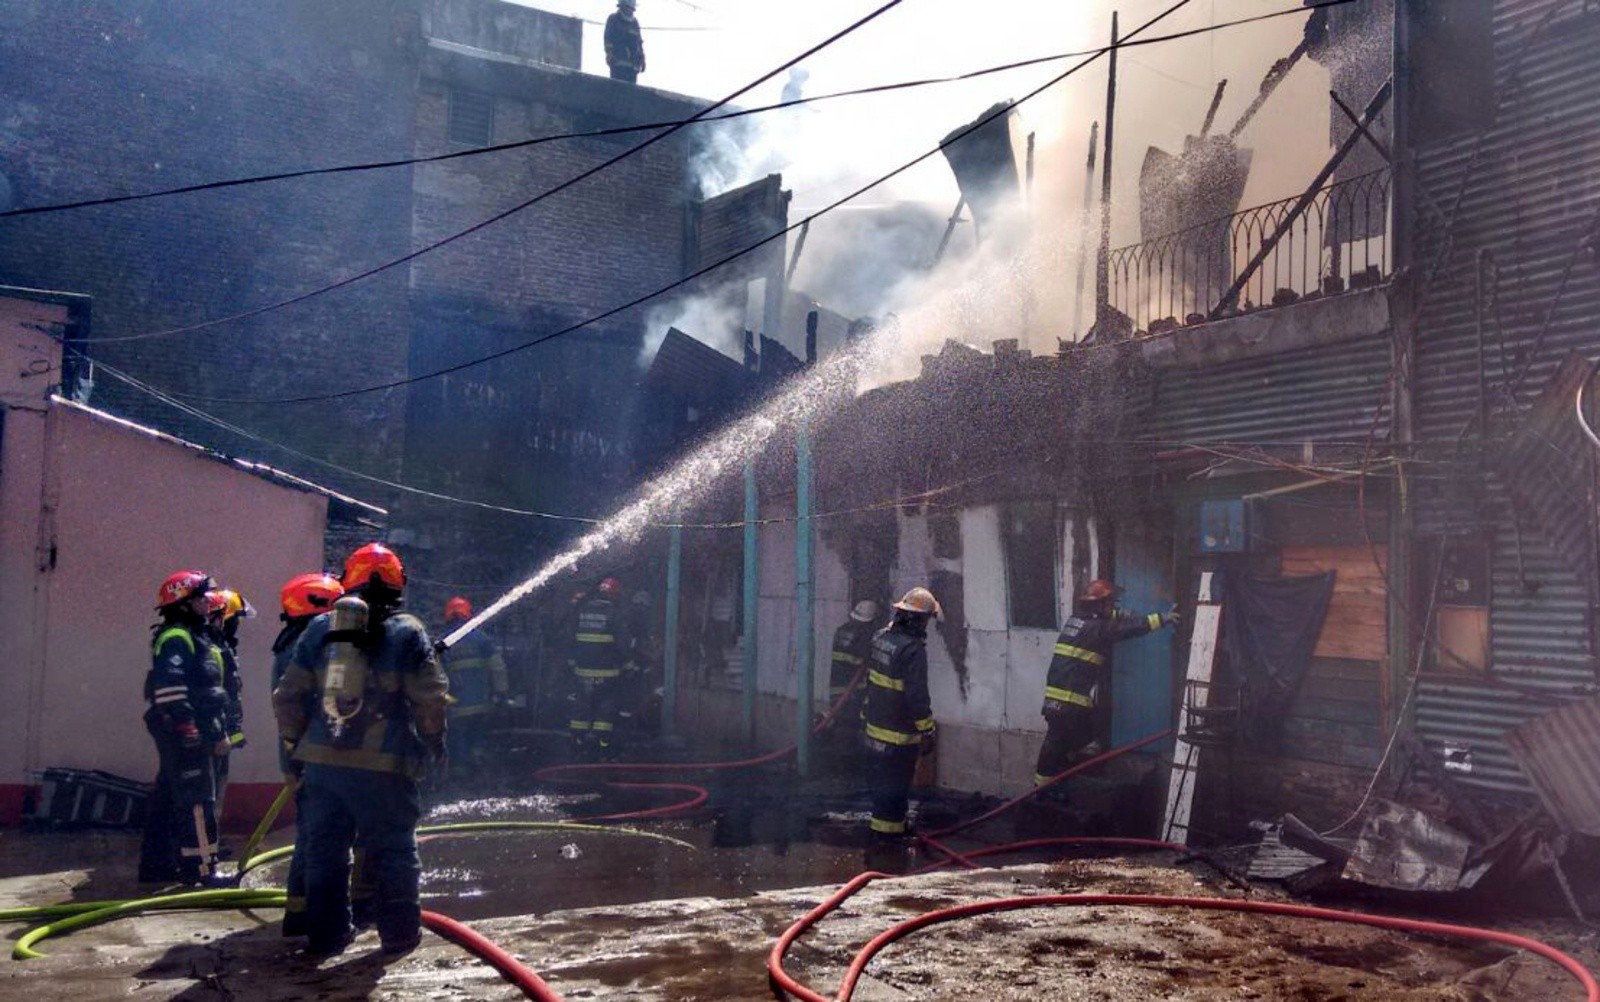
[{"x": 1339, "y": 241}]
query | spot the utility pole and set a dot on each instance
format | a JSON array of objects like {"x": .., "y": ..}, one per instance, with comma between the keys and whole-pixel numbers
[
  {"x": 1083, "y": 235},
  {"x": 1102, "y": 288}
]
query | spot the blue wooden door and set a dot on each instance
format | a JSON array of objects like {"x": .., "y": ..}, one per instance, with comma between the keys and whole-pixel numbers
[{"x": 1141, "y": 679}]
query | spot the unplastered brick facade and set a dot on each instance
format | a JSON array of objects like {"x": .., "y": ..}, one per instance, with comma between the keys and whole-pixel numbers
[{"x": 118, "y": 96}]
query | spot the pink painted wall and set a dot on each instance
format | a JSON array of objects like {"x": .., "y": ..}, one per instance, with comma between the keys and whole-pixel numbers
[{"x": 94, "y": 513}]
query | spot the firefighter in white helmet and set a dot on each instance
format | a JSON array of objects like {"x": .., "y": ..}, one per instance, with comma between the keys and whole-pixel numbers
[{"x": 897, "y": 715}]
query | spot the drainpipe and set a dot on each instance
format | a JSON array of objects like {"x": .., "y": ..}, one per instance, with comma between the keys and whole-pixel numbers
[
  {"x": 805, "y": 612},
  {"x": 752, "y": 570},
  {"x": 669, "y": 670}
]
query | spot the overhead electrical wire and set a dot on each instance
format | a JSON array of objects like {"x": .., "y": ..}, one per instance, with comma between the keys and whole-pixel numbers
[
  {"x": 679, "y": 283},
  {"x": 107, "y": 200},
  {"x": 534, "y": 200}
]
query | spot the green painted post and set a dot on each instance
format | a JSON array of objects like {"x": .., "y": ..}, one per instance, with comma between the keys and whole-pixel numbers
[{"x": 669, "y": 672}]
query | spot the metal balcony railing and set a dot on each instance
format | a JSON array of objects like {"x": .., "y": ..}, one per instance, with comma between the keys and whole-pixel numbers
[{"x": 1339, "y": 241}]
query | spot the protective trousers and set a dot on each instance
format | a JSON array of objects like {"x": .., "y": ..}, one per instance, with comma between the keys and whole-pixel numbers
[
  {"x": 179, "y": 842},
  {"x": 1069, "y": 728},
  {"x": 384, "y": 808},
  {"x": 892, "y": 767},
  {"x": 593, "y": 720},
  {"x": 294, "y": 909}
]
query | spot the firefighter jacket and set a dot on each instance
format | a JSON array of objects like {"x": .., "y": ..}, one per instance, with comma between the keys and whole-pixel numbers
[
  {"x": 599, "y": 641},
  {"x": 233, "y": 687},
  {"x": 282, "y": 654},
  {"x": 402, "y": 712},
  {"x": 897, "y": 710},
  {"x": 184, "y": 685},
  {"x": 1083, "y": 651},
  {"x": 624, "y": 42},
  {"x": 477, "y": 674},
  {"x": 852, "y": 646}
]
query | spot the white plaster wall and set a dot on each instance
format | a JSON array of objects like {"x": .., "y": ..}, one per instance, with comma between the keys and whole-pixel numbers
[{"x": 777, "y": 585}]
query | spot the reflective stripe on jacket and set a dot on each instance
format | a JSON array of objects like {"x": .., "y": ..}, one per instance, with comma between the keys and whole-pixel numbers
[
  {"x": 599, "y": 644},
  {"x": 184, "y": 684},
  {"x": 852, "y": 646},
  {"x": 477, "y": 674},
  {"x": 897, "y": 708},
  {"x": 1083, "y": 651}
]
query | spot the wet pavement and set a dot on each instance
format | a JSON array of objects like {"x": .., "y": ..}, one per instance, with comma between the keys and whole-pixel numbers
[{"x": 604, "y": 916}]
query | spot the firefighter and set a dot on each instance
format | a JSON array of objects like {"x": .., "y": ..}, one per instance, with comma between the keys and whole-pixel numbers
[
  {"x": 1077, "y": 672},
  {"x": 363, "y": 703},
  {"x": 598, "y": 656},
  {"x": 624, "y": 43},
  {"x": 852, "y": 647},
  {"x": 477, "y": 683},
  {"x": 185, "y": 719},
  {"x": 896, "y": 713},
  {"x": 304, "y": 597},
  {"x": 226, "y": 609}
]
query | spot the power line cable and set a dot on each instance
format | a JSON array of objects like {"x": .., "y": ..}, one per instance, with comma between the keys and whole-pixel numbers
[
  {"x": 723, "y": 262},
  {"x": 497, "y": 217},
  {"x": 254, "y": 179}
]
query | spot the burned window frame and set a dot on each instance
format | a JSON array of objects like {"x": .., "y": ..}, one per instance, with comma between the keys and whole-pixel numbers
[{"x": 1031, "y": 570}]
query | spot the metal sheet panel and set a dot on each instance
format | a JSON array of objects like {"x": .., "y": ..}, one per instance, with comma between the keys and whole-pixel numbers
[
  {"x": 1324, "y": 394},
  {"x": 1561, "y": 754},
  {"x": 1523, "y": 194}
]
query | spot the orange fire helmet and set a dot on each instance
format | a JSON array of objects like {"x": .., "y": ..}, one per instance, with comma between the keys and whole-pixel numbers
[
  {"x": 457, "y": 608},
  {"x": 374, "y": 561},
  {"x": 920, "y": 600},
  {"x": 181, "y": 586},
  {"x": 1100, "y": 590},
  {"x": 610, "y": 587},
  {"x": 309, "y": 594}
]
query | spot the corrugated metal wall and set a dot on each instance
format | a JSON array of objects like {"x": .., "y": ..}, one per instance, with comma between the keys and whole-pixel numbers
[
  {"x": 1532, "y": 184},
  {"x": 1324, "y": 394}
]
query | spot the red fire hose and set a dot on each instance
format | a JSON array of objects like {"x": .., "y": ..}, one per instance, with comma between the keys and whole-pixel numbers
[
  {"x": 785, "y": 985},
  {"x": 508, "y": 966}
]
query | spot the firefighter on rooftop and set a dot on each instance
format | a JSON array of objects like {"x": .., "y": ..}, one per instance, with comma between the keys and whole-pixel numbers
[
  {"x": 1077, "y": 674},
  {"x": 186, "y": 720},
  {"x": 897, "y": 715},
  {"x": 477, "y": 683},
  {"x": 599, "y": 653},
  {"x": 624, "y": 43}
]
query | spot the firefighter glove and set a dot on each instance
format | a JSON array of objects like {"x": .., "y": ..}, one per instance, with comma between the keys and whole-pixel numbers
[
  {"x": 221, "y": 747},
  {"x": 188, "y": 735},
  {"x": 1170, "y": 617}
]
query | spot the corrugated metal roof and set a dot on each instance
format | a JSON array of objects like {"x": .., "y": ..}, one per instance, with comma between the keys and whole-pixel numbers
[
  {"x": 1530, "y": 187},
  {"x": 1326, "y": 393},
  {"x": 1560, "y": 752}
]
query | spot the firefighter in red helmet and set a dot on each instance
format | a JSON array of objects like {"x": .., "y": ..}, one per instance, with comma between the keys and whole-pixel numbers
[
  {"x": 477, "y": 682},
  {"x": 1078, "y": 672},
  {"x": 599, "y": 654},
  {"x": 363, "y": 703},
  {"x": 185, "y": 718}
]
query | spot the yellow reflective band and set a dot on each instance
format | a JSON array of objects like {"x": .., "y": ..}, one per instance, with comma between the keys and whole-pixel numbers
[
  {"x": 877, "y": 677},
  {"x": 597, "y": 672},
  {"x": 925, "y": 724},
  {"x": 578, "y": 725},
  {"x": 888, "y": 827},
  {"x": 174, "y": 631},
  {"x": 236, "y": 739},
  {"x": 604, "y": 725},
  {"x": 1064, "y": 696},
  {"x": 846, "y": 657},
  {"x": 1154, "y": 619},
  {"x": 1039, "y": 779},
  {"x": 1069, "y": 651},
  {"x": 596, "y": 638},
  {"x": 889, "y": 737}
]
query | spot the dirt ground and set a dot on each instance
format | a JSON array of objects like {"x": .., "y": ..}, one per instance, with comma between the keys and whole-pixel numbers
[{"x": 644, "y": 939}]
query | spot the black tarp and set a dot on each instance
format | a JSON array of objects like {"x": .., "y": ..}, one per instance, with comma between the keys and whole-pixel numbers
[{"x": 1270, "y": 630}]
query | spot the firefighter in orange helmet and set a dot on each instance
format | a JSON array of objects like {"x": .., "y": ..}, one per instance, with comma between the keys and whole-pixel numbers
[
  {"x": 1077, "y": 674},
  {"x": 185, "y": 719},
  {"x": 227, "y": 609},
  {"x": 477, "y": 683},
  {"x": 364, "y": 707}
]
